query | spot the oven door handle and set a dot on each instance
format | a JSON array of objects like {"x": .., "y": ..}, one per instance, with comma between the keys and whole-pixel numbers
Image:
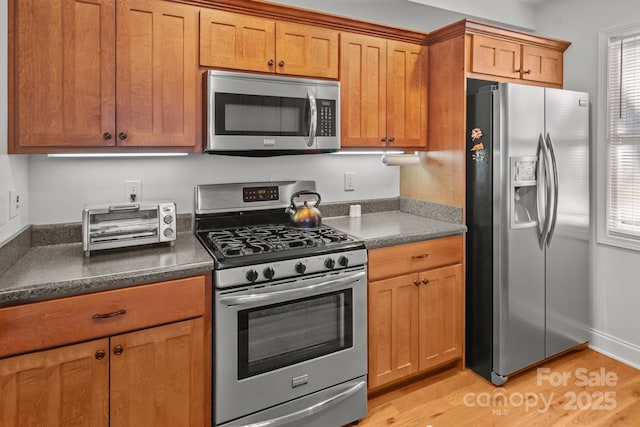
[
  {"x": 262, "y": 297},
  {"x": 313, "y": 409}
]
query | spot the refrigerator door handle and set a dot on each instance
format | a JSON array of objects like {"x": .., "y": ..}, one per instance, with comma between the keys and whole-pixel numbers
[
  {"x": 554, "y": 171},
  {"x": 542, "y": 171}
]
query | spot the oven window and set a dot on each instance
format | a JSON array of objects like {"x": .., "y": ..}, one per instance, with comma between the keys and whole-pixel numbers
[
  {"x": 261, "y": 115},
  {"x": 284, "y": 334}
]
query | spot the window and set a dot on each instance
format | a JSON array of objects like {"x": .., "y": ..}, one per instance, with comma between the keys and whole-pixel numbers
[{"x": 622, "y": 140}]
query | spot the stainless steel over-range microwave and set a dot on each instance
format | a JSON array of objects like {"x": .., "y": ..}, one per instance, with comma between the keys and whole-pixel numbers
[{"x": 253, "y": 114}]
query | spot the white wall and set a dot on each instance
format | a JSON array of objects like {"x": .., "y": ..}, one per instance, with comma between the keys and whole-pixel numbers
[
  {"x": 13, "y": 169},
  {"x": 615, "y": 272},
  {"x": 60, "y": 187}
]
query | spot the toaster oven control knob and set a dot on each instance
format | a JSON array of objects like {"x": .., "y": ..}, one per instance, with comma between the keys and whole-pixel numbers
[
  {"x": 168, "y": 232},
  {"x": 268, "y": 273},
  {"x": 252, "y": 275},
  {"x": 168, "y": 219},
  {"x": 329, "y": 262},
  {"x": 301, "y": 268},
  {"x": 343, "y": 261}
]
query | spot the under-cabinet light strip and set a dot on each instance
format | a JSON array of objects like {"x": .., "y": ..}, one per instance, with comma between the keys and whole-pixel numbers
[{"x": 117, "y": 155}]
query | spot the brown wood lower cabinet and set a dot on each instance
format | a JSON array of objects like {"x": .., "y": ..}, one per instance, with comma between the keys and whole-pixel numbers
[
  {"x": 63, "y": 387},
  {"x": 415, "y": 323},
  {"x": 137, "y": 356},
  {"x": 153, "y": 377}
]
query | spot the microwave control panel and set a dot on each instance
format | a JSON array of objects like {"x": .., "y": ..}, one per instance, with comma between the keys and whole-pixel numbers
[{"x": 326, "y": 117}]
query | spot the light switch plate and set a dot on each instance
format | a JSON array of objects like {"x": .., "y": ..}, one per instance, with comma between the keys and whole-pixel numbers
[
  {"x": 14, "y": 204},
  {"x": 4, "y": 208}
]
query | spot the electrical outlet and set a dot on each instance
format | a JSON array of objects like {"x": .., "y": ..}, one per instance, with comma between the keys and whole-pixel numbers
[
  {"x": 4, "y": 207},
  {"x": 14, "y": 204},
  {"x": 349, "y": 181},
  {"x": 133, "y": 190}
]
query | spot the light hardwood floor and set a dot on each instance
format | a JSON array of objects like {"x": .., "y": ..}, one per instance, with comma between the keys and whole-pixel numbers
[{"x": 582, "y": 388}]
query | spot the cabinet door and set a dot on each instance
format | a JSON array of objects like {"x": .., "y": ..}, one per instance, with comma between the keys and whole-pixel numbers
[
  {"x": 393, "y": 329},
  {"x": 64, "y": 74},
  {"x": 63, "y": 387},
  {"x": 441, "y": 316},
  {"x": 233, "y": 40},
  {"x": 157, "y": 376},
  {"x": 305, "y": 50},
  {"x": 495, "y": 57},
  {"x": 407, "y": 96},
  {"x": 542, "y": 65},
  {"x": 363, "y": 90},
  {"x": 157, "y": 74}
]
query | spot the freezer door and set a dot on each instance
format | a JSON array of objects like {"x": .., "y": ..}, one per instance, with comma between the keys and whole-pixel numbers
[
  {"x": 567, "y": 270},
  {"x": 519, "y": 298}
]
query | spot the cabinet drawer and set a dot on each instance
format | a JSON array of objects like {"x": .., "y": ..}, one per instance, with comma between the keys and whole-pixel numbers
[
  {"x": 62, "y": 321},
  {"x": 413, "y": 257}
]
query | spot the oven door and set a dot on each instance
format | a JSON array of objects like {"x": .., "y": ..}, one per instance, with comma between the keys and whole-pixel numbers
[{"x": 277, "y": 343}]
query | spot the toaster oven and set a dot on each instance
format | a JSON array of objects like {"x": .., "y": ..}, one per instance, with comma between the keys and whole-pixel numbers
[{"x": 122, "y": 225}]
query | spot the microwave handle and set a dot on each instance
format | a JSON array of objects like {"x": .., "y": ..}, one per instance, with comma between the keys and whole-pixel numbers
[
  {"x": 313, "y": 111},
  {"x": 124, "y": 208}
]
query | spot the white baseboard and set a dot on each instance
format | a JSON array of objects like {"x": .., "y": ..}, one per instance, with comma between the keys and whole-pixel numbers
[{"x": 615, "y": 348}]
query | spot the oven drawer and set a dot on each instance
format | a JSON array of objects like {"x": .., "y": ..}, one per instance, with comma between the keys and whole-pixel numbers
[
  {"x": 413, "y": 257},
  {"x": 63, "y": 321}
]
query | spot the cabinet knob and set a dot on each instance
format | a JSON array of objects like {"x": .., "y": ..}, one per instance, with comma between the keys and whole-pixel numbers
[
  {"x": 416, "y": 282},
  {"x": 281, "y": 63},
  {"x": 383, "y": 139},
  {"x": 392, "y": 139},
  {"x": 118, "y": 350},
  {"x": 107, "y": 136},
  {"x": 425, "y": 281},
  {"x": 100, "y": 354},
  {"x": 517, "y": 71},
  {"x": 271, "y": 62},
  {"x": 528, "y": 72},
  {"x": 122, "y": 135}
]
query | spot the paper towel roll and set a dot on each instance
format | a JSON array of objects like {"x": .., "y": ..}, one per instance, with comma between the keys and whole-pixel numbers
[{"x": 401, "y": 160}]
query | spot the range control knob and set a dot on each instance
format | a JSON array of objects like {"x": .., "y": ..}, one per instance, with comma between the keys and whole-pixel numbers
[
  {"x": 168, "y": 219},
  {"x": 252, "y": 275},
  {"x": 268, "y": 273},
  {"x": 329, "y": 262},
  {"x": 168, "y": 232},
  {"x": 343, "y": 261},
  {"x": 301, "y": 268}
]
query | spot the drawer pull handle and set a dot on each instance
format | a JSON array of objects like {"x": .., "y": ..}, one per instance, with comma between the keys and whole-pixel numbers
[
  {"x": 108, "y": 315},
  {"x": 118, "y": 350},
  {"x": 423, "y": 256}
]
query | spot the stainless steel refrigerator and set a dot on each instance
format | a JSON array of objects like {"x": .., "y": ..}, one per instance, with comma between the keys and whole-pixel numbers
[{"x": 527, "y": 212}]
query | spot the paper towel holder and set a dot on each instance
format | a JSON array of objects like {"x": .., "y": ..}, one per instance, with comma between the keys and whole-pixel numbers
[{"x": 400, "y": 159}]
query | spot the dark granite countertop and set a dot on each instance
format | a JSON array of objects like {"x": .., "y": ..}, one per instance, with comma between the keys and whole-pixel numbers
[
  {"x": 47, "y": 262},
  {"x": 394, "y": 228},
  {"x": 47, "y": 272}
]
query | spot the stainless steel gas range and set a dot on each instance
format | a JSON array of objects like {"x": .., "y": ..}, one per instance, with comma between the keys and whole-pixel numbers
[{"x": 290, "y": 310}]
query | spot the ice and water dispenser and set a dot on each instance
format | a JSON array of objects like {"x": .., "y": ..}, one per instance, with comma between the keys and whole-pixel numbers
[{"x": 523, "y": 192}]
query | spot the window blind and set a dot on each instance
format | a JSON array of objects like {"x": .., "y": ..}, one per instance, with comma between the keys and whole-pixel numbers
[{"x": 623, "y": 204}]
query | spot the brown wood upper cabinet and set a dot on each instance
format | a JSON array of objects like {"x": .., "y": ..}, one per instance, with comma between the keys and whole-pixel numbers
[
  {"x": 515, "y": 60},
  {"x": 243, "y": 42},
  {"x": 105, "y": 73},
  {"x": 383, "y": 93}
]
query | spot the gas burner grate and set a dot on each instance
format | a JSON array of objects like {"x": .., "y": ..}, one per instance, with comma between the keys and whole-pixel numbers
[{"x": 235, "y": 242}]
